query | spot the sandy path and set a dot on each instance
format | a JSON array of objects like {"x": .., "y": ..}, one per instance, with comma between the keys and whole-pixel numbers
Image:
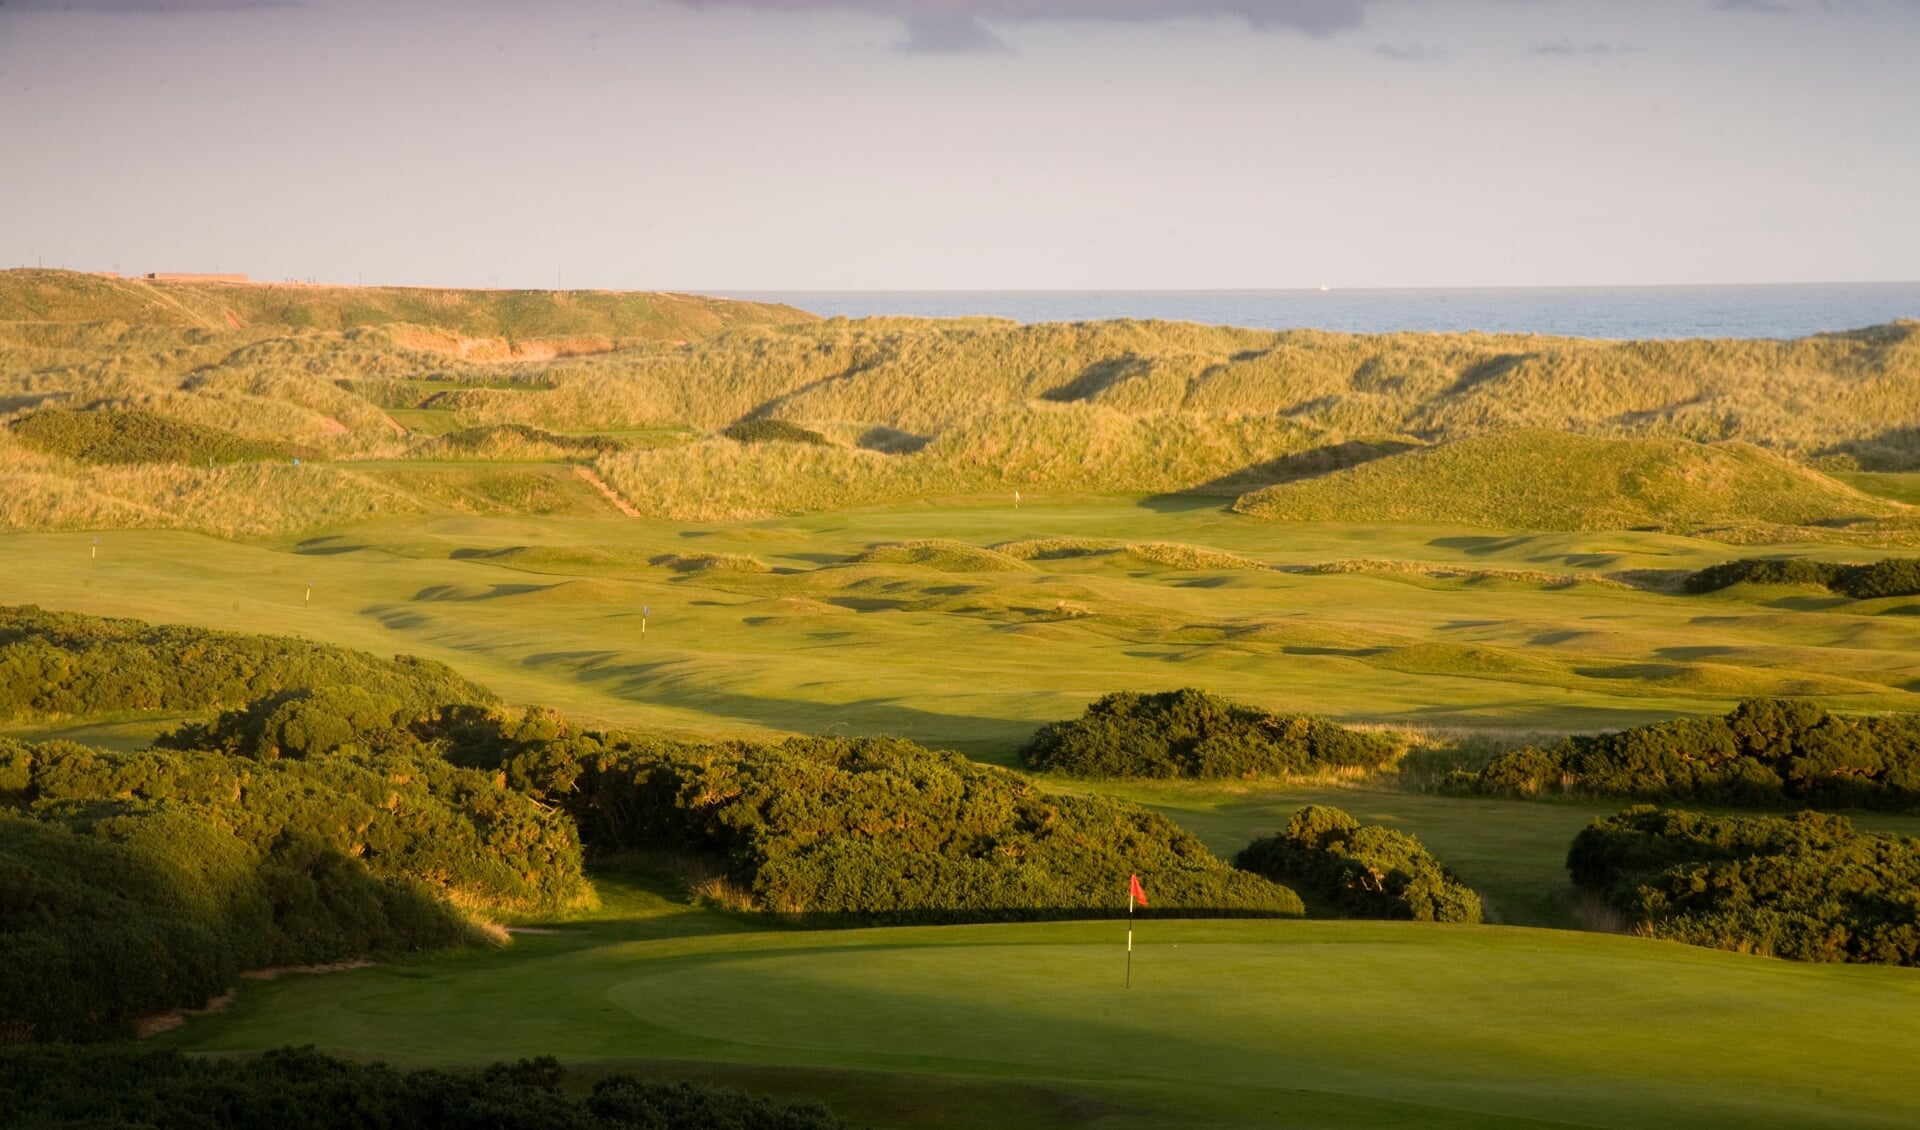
[{"x": 600, "y": 485}]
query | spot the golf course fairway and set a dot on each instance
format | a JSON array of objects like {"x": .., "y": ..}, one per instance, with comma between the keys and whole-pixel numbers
[{"x": 1226, "y": 1023}]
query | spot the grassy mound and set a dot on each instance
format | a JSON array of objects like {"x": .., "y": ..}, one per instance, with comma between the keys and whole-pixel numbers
[
  {"x": 711, "y": 562},
  {"x": 1055, "y": 548},
  {"x": 1173, "y": 555},
  {"x": 1540, "y": 480},
  {"x": 132, "y": 435},
  {"x": 1190, "y": 733},
  {"x": 945, "y": 555},
  {"x": 513, "y": 441}
]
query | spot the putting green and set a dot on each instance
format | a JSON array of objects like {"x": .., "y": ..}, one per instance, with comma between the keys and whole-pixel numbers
[{"x": 1226, "y": 1024}]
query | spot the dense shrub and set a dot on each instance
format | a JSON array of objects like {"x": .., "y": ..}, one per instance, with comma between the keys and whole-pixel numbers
[
  {"x": 1368, "y": 871},
  {"x": 769, "y": 430},
  {"x": 139, "y": 914},
  {"x": 301, "y": 1089},
  {"x": 1892, "y": 576},
  {"x": 1766, "y": 752},
  {"x": 1190, "y": 733},
  {"x": 131, "y": 435},
  {"x": 137, "y": 882},
  {"x": 878, "y": 830},
  {"x": 63, "y": 663},
  {"x": 1808, "y": 888}
]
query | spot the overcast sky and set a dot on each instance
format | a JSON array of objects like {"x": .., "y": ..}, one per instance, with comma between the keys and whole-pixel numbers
[{"x": 963, "y": 144}]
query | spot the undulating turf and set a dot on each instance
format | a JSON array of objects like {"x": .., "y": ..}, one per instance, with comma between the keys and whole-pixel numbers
[
  {"x": 1514, "y": 633},
  {"x": 1227, "y": 1024}
]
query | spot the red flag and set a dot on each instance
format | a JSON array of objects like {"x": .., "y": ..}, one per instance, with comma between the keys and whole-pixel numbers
[{"x": 1134, "y": 890}]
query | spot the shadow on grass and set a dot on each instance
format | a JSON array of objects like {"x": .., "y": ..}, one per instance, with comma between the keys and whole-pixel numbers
[
  {"x": 647, "y": 682},
  {"x": 1221, "y": 493},
  {"x": 1186, "y": 503}
]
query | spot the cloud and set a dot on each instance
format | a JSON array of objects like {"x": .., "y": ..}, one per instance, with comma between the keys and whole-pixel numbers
[
  {"x": 142, "y": 7},
  {"x": 1568, "y": 49},
  {"x": 1410, "y": 52},
  {"x": 949, "y": 33},
  {"x": 1771, "y": 7},
  {"x": 961, "y": 26}
]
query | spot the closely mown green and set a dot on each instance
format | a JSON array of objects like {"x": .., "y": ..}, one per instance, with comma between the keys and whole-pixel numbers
[
  {"x": 1808, "y": 888},
  {"x": 1891, "y": 576},
  {"x": 301, "y": 1089},
  {"x": 1190, "y": 733},
  {"x": 55, "y": 664},
  {"x": 1368, "y": 871},
  {"x": 1766, "y": 752}
]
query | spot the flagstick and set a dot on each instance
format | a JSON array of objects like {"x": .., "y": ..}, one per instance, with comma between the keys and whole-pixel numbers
[{"x": 1129, "y": 939}]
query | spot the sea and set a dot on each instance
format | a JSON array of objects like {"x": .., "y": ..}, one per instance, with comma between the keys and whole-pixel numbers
[{"x": 1785, "y": 310}]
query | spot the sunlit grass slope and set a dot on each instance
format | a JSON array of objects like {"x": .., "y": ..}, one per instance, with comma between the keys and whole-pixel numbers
[
  {"x": 1227, "y": 1024},
  {"x": 1542, "y": 480}
]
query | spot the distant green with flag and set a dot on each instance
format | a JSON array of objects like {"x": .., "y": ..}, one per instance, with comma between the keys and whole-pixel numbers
[{"x": 1135, "y": 894}]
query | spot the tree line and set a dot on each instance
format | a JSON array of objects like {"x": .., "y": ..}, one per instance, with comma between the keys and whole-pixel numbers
[
  {"x": 1891, "y": 576},
  {"x": 1764, "y": 753},
  {"x": 872, "y": 829}
]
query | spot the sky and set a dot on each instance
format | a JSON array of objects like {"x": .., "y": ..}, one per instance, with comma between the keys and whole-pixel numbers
[{"x": 965, "y": 144}]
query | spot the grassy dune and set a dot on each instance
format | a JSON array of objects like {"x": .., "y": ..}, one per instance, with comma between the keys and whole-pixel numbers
[
  {"x": 67, "y": 296},
  {"x": 1849, "y": 393},
  {"x": 1058, "y": 447},
  {"x": 920, "y": 409},
  {"x": 1541, "y": 480}
]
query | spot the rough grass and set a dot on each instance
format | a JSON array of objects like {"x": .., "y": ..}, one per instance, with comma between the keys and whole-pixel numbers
[
  {"x": 1059, "y": 447},
  {"x": 237, "y": 500},
  {"x": 1540, "y": 480},
  {"x": 136, "y": 436}
]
